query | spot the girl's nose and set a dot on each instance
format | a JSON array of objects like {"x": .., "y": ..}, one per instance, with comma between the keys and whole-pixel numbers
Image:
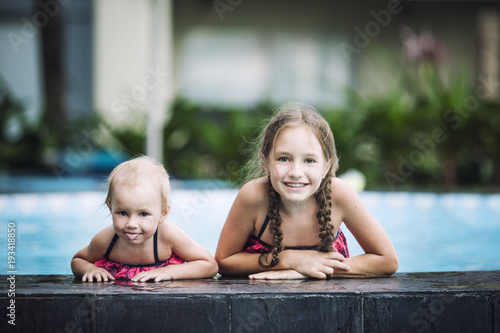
[
  {"x": 295, "y": 170},
  {"x": 131, "y": 222}
]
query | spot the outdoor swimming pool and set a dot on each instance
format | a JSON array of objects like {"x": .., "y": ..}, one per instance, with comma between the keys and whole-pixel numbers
[{"x": 431, "y": 232}]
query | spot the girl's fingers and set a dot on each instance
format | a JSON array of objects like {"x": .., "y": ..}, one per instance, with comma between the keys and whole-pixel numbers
[
  {"x": 259, "y": 276},
  {"x": 335, "y": 255},
  {"x": 98, "y": 276},
  {"x": 319, "y": 275},
  {"x": 335, "y": 264},
  {"x": 137, "y": 277},
  {"x": 156, "y": 274},
  {"x": 143, "y": 277},
  {"x": 278, "y": 275}
]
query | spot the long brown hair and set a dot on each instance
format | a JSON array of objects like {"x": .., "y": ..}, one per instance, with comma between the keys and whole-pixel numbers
[{"x": 288, "y": 115}]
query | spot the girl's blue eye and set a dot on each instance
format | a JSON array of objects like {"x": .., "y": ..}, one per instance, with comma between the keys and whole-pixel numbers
[
  {"x": 122, "y": 213},
  {"x": 283, "y": 159},
  {"x": 143, "y": 214},
  {"x": 309, "y": 160}
]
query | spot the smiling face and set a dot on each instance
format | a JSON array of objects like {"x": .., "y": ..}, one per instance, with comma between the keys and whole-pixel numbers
[
  {"x": 296, "y": 164},
  {"x": 136, "y": 210}
]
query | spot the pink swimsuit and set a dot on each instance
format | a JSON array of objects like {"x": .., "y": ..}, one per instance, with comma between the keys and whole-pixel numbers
[
  {"x": 255, "y": 245},
  {"x": 122, "y": 271}
]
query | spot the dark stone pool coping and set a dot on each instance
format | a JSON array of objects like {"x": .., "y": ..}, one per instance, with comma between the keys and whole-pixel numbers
[{"x": 406, "y": 302}]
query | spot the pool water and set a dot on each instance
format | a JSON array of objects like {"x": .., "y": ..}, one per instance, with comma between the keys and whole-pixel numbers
[{"x": 431, "y": 232}]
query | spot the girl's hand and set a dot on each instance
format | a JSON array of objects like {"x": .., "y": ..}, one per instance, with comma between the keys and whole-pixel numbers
[
  {"x": 284, "y": 274},
  {"x": 99, "y": 274},
  {"x": 153, "y": 274},
  {"x": 319, "y": 265}
]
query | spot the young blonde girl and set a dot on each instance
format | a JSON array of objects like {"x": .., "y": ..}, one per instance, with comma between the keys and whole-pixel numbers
[
  {"x": 285, "y": 224},
  {"x": 141, "y": 244}
]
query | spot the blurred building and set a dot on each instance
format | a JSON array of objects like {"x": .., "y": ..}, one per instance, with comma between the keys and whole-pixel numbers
[
  {"x": 20, "y": 54},
  {"x": 128, "y": 59}
]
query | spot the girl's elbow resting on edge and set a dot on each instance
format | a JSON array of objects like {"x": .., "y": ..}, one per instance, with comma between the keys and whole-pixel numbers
[
  {"x": 220, "y": 262},
  {"x": 391, "y": 266},
  {"x": 75, "y": 269},
  {"x": 223, "y": 270},
  {"x": 213, "y": 268}
]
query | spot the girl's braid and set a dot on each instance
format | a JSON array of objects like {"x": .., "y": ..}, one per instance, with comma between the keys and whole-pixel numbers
[
  {"x": 324, "y": 199},
  {"x": 274, "y": 229}
]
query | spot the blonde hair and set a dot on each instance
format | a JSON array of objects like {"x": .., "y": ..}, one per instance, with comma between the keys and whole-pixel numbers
[
  {"x": 288, "y": 115},
  {"x": 136, "y": 171}
]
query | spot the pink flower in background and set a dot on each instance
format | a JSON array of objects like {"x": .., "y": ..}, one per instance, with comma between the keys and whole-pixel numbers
[{"x": 423, "y": 47}]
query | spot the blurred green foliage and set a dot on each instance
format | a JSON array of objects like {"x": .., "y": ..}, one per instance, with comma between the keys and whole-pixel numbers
[
  {"x": 419, "y": 136},
  {"x": 28, "y": 147},
  {"x": 203, "y": 142},
  {"x": 19, "y": 140}
]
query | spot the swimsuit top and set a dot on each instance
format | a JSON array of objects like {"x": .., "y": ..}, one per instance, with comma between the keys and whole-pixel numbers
[
  {"x": 115, "y": 239},
  {"x": 255, "y": 245},
  {"x": 123, "y": 271}
]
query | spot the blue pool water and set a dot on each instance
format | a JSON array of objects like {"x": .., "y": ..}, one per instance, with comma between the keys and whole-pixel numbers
[{"x": 431, "y": 232}]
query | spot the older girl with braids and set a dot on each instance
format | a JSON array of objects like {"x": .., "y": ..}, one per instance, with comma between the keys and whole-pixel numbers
[{"x": 285, "y": 221}]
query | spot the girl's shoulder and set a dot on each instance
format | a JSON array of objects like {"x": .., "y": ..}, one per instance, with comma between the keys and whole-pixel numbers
[
  {"x": 342, "y": 191},
  {"x": 172, "y": 238},
  {"x": 103, "y": 238},
  {"x": 105, "y": 234},
  {"x": 170, "y": 232},
  {"x": 168, "y": 227},
  {"x": 255, "y": 192}
]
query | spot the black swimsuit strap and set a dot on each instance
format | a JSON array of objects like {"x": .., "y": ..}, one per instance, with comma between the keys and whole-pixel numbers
[
  {"x": 115, "y": 239},
  {"x": 313, "y": 247},
  {"x": 263, "y": 228},
  {"x": 155, "y": 246},
  {"x": 110, "y": 247}
]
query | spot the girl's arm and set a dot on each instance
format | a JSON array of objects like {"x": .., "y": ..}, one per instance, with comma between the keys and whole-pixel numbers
[
  {"x": 380, "y": 257},
  {"x": 199, "y": 262},
  {"x": 301, "y": 264},
  {"x": 239, "y": 225},
  {"x": 250, "y": 205},
  {"x": 82, "y": 263}
]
